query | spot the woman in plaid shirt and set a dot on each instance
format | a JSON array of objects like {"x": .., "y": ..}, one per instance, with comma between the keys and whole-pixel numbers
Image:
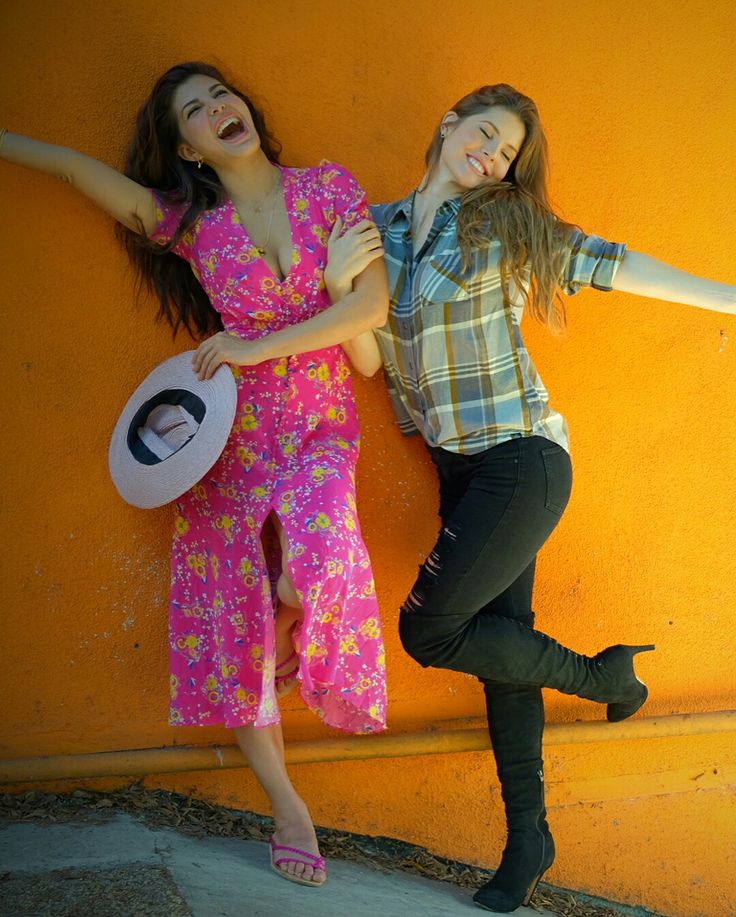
[{"x": 466, "y": 252}]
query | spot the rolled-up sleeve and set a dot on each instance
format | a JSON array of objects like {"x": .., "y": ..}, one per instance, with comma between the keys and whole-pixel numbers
[{"x": 592, "y": 262}]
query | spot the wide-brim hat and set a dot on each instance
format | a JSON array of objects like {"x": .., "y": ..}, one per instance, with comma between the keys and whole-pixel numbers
[{"x": 171, "y": 432}]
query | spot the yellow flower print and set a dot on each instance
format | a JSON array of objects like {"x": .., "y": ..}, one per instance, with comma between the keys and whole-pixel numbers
[
  {"x": 227, "y": 670},
  {"x": 342, "y": 443},
  {"x": 323, "y": 520},
  {"x": 323, "y": 372},
  {"x": 280, "y": 368},
  {"x": 246, "y": 568},
  {"x": 197, "y": 562},
  {"x": 181, "y": 525},
  {"x": 256, "y": 651},
  {"x": 342, "y": 373},
  {"x": 189, "y": 645},
  {"x": 314, "y": 591},
  {"x": 174, "y": 684},
  {"x": 247, "y": 457},
  {"x": 248, "y": 422},
  {"x": 315, "y": 651},
  {"x": 211, "y": 262},
  {"x": 199, "y": 492},
  {"x": 326, "y": 617},
  {"x": 296, "y": 299},
  {"x": 225, "y": 525},
  {"x": 349, "y": 521},
  {"x": 244, "y": 257},
  {"x": 268, "y": 284},
  {"x": 313, "y": 421},
  {"x": 335, "y": 568},
  {"x": 320, "y": 233},
  {"x": 235, "y": 218},
  {"x": 294, "y": 256},
  {"x": 369, "y": 628},
  {"x": 351, "y": 501},
  {"x": 349, "y": 645},
  {"x": 236, "y": 371},
  {"x": 287, "y": 444},
  {"x": 300, "y": 206},
  {"x": 259, "y": 491},
  {"x": 193, "y": 611}
]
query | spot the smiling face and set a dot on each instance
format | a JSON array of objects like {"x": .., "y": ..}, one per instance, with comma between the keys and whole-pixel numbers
[
  {"x": 478, "y": 148},
  {"x": 214, "y": 123}
]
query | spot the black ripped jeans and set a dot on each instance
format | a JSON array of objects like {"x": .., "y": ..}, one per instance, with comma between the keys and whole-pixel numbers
[{"x": 498, "y": 507}]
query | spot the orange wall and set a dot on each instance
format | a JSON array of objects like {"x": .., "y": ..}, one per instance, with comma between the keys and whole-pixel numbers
[{"x": 639, "y": 101}]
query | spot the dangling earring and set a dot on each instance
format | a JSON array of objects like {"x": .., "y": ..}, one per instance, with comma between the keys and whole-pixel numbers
[
  {"x": 199, "y": 162},
  {"x": 443, "y": 132}
]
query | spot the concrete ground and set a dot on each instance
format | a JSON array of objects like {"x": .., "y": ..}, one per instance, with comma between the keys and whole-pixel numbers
[{"x": 118, "y": 866}]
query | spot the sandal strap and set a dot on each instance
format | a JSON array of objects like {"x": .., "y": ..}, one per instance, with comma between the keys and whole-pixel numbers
[
  {"x": 305, "y": 858},
  {"x": 292, "y": 673}
]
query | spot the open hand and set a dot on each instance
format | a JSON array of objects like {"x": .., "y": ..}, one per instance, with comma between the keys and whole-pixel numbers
[
  {"x": 350, "y": 254},
  {"x": 224, "y": 347}
]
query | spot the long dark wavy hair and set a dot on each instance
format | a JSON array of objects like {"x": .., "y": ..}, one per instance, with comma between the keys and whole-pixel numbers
[
  {"x": 152, "y": 160},
  {"x": 516, "y": 211}
]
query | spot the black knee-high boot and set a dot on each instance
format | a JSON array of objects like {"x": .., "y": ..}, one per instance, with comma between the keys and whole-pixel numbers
[{"x": 515, "y": 723}]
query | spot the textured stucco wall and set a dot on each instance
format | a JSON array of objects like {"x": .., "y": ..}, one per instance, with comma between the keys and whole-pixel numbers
[{"x": 639, "y": 101}]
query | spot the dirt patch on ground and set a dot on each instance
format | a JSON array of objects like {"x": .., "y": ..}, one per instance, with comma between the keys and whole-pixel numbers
[{"x": 163, "y": 809}]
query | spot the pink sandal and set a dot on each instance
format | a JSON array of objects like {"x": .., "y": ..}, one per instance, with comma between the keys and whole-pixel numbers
[
  {"x": 302, "y": 856},
  {"x": 286, "y": 683}
]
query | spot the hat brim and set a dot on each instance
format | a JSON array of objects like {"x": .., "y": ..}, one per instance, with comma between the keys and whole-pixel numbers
[{"x": 149, "y": 486}]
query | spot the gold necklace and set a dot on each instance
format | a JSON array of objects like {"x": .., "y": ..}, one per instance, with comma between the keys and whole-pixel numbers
[{"x": 261, "y": 249}]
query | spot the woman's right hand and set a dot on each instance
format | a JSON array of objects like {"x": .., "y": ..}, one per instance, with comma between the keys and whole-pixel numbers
[{"x": 348, "y": 255}]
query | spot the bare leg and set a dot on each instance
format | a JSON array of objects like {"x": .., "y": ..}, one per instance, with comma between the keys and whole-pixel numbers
[
  {"x": 288, "y": 612},
  {"x": 264, "y": 752}
]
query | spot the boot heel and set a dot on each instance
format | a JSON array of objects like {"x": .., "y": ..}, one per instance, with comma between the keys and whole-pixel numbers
[
  {"x": 532, "y": 888},
  {"x": 622, "y": 710}
]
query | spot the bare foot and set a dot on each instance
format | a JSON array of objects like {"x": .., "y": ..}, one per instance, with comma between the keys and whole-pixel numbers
[{"x": 298, "y": 832}]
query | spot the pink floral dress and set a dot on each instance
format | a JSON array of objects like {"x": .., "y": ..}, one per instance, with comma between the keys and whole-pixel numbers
[{"x": 292, "y": 450}]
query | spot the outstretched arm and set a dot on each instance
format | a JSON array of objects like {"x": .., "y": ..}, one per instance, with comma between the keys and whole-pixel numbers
[
  {"x": 646, "y": 276},
  {"x": 125, "y": 200}
]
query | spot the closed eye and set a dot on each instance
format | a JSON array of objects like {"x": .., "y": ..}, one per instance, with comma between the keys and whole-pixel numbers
[{"x": 192, "y": 110}]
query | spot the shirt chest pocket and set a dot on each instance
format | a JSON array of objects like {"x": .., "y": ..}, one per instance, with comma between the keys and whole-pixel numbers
[{"x": 441, "y": 280}]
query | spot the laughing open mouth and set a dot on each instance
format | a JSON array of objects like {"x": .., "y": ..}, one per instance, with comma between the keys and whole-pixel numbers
[{"x": 231, "y": 127}]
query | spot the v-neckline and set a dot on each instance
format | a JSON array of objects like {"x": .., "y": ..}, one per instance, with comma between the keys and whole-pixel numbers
[{"x": 285, "y": 188}]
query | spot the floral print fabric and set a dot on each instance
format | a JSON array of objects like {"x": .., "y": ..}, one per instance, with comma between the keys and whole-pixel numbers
[{"x": 292, "y": 451}]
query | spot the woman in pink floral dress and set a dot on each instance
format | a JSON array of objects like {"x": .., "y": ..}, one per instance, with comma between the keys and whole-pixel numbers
[{"x": 228, "y": 227}]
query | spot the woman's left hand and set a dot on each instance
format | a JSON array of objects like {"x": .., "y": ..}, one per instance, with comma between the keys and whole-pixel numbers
[{"x": 224, "y": 348}]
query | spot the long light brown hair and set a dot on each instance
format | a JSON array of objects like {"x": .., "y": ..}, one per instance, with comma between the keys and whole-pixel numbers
[{"x": 516, "y": 211}]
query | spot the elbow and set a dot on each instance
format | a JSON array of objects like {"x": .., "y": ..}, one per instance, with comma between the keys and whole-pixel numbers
[
  {"x": 378, "y": 313},
  {"x": 370, "y": 368}
]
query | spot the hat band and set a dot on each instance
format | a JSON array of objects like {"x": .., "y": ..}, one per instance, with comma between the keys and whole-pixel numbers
[{"x": 145, "y": 445}]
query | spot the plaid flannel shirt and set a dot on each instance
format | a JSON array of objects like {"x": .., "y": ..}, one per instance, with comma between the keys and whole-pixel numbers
[{"x": 455, "y": 362}]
